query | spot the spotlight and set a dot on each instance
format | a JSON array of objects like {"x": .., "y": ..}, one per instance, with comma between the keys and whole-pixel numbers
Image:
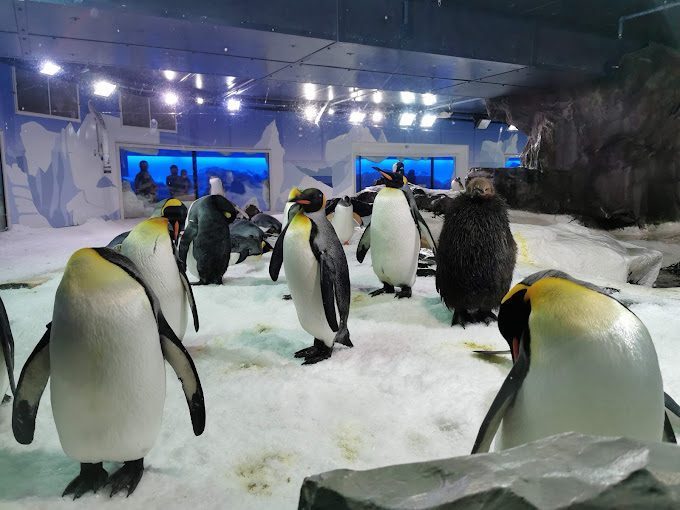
[
  {"x": 377, "y": 117},
  {"x": 233, "y": 105},
  {"x": 512, "y": 128},
  {"x": 357, "y": 117},
  {"x": 407, "y": 118},
  {"x": 377, "y": 97},
  {"x": 170, "y": 98},
  {"x": 230, "y": 81},
  {"x": 429, "y": 99},
  {"x": 199, "y": 81},
  {"x": 482, "y": 123},
  {"x": 408, "y": 97},
  {"x": 49, "y": 68},
  {"x": 309, "y": 91},
  {"x": 310, "y": 112},
  {"x": 104, "y": 88},
  {"x": 169, "y": 75},
  {"x": 199, "y": 100},
  {"x": 428, "y": 120}
]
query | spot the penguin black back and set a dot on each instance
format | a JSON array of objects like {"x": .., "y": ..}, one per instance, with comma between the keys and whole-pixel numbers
[{"x": 477, "y": 252}]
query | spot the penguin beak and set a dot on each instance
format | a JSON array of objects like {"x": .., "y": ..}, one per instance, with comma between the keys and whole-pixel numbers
[
  {"x": 175, "y": 231},
  {"x": 386, "y": 175}
]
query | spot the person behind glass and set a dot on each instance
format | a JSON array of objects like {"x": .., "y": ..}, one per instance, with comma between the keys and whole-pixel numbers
[
  {"x": 144, "y": 184},
  {"x": 174, "y": 181},
  {"x": 185, "y": 182}
]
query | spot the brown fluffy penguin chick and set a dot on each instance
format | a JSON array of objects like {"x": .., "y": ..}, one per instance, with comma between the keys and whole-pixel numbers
[{"x": 476, "y": 255}]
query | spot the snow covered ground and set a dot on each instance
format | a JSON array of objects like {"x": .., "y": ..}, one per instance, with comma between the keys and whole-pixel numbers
[{"x": 410, "y": 390}]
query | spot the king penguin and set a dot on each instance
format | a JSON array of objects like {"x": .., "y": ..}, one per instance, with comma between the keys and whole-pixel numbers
[
  {"x": 103, "y": 353},
  {"x": 317, "y": 274},
  {"x": 294, "y": 192},
  {"x": 343, "y": 219},
  {"x": 151, "y": 249},
  {"x": 205, "y": 246},
  {"x": 583, "y": 362},
  {"x": 6, "y": 353},
  {"x": 394, "y": 236}
]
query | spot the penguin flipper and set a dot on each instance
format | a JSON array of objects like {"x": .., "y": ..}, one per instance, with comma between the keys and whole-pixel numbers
[
  {"x": 118, "y": 240},
  {"x": 277, "y": 255},
  {"x": 328, "y": 290},
  {"x": 243, "y": 255},
  {"x": 190, "y": 296},
  {"x": 180, "y": 361},
  {"x": 32, "y": 382},
  {"x": 504, "y": 398},
  {"x": 361, "y": 208},
  {"x": 186, "y": 240},
  {"x": 671, "y": 404},
  {"x": 364, "y": 244},
  {"x": 7, "y": 342},
  {"x": 331, "y": 205},
  {"x": 423, "y": 229},
  {"x": 668, "y": 434}
]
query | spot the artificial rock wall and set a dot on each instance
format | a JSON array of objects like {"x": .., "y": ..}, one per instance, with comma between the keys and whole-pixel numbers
[{"x": 607, "y": 151}]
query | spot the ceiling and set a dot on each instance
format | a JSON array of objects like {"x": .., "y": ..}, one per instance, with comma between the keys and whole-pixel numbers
[{"x": 462, "y": 51}]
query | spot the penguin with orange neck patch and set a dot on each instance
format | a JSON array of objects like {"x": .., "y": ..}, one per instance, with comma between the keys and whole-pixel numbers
[
  {"x": 317, "y": 274},
  {"x": 393, "y": 236}
]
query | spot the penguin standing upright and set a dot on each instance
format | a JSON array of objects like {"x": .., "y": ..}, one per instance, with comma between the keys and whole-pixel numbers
[
  {"x": 476, "y": 255},
  {"x": 205, "y": 246},
  {"x": 394, "y": 236},
  {"x": 294, "y": 192},
  {"x": 343, "y": 220},
  {"x": 317, "y": 274},
  {"x": 150, "y": 248},
  {"x": 103, "y": 353},
  {"x": 6, "y": 353},
  {"x": 582, "y": 362}
]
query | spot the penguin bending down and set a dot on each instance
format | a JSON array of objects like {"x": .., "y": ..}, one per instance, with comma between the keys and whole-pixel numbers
[
  {"x": 343, "y": 220},
  {"x": 247, "y": 239},
  {"x": 6, "y": 353},
  {"x": 103, "y": 353},
  {"x": 476, "y": 255},
  {"x": 583, "y": 362},
  {"x": 317, "y": 274},
  {"x": 294, "y": 192},
  {"x": 267, "y": 223},
  {"x": 151, "y": 249},
  {"x": 205, "y": 246},
  {"x": 394, "y": 236}
]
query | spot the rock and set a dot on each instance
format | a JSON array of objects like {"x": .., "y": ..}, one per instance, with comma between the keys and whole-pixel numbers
[
  {"x": 609, "y": 150},
  {"x": 570, "y": 470}
]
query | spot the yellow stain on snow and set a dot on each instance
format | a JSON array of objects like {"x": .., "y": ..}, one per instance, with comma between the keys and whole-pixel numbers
[{"x": 522, "y": 249}]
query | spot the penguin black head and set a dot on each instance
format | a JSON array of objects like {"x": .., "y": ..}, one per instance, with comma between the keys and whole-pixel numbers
[
  {"x": 513, "y": 317},
  {"x": 224, "y": 206},
  {"x": 393, "y": 179},
  {"x": 480, "y": 187},
  {"x": 310, "y": 199},
  {"x": 398, "y": 167},
  {"x": 176, "y": 213}
]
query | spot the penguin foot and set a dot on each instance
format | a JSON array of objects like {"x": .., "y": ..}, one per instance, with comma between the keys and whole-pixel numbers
[
  {"x": 6, "y": 400},
  {"x": 317, "y": 352},
  {"x": 91, "y": 478},
  {"x": 126, "y": 477},
  {"x": 287, "y": 297},
  {"x": 485, "y": 316},
  {"x": 404, "y": 292},
  {"x": 308, "y": 351},
  {"x": 387, "y": 289},
  {"x": 461, "y": 318}
]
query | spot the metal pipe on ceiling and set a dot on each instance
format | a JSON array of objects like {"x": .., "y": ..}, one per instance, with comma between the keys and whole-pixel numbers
[{"x": 622, "y": 19}]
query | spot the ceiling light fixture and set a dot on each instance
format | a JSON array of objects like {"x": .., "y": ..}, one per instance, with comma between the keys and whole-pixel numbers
[
  {"x": 199, "y": 100},
  {"x": 170, "y": 98},
  {"x": 406, "y": 119},
  {"x": 310, "y": 112},
  {"x": 230, "y": 81},
  {"x": 408, "y": 97},
  {"x": 309, "y": 91},
  {"x": 428, "y": 120},
  {"x": 104, "y": 88},
  {"x": 429, "y": 99},
  {"x": 377, "y": 97},
  {"x": 357, "y": 117},
  {"x": 199, "y": 81},
  {"x": 377, "y": 117},
  {"x": 233, "y": 105},
  {"x": 482, "y": 123},
  {"x": 49, "y": 68},
  {"x": 169, "y": 75},
  {"x": 330, "y": 94},
  {"x": 512, "y": 128}
]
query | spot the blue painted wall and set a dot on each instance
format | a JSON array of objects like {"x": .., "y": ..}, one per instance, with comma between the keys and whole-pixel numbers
[{"x": 53, "y": 176}]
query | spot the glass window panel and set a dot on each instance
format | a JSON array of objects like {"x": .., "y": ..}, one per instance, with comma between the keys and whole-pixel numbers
[
  {"x": 32, "y": 92},
  {"x": 135, "y": 110},
  {"x": 444, "y": 171},
  {"x": 164, "y": 114},
  {"x": 63, "y": 98}
]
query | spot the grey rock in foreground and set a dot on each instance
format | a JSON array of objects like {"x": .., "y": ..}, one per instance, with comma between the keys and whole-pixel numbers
[{"x": 570, "y": 470}]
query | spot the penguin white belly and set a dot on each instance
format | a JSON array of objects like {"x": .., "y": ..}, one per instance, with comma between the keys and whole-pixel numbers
[
  {"x": 395, "y": 242},
  {"x": 192, "y": 267},
  {"x": 160, "y": 272},
  {"x": 107, "y": 375},
  {"x": 591, "y": 385},
  {"x": 343, "y": 223},
  {"x": 304, "y": 280},
  {"x": 286, "y": 208},
  {"x": 4, "y": 378}
]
